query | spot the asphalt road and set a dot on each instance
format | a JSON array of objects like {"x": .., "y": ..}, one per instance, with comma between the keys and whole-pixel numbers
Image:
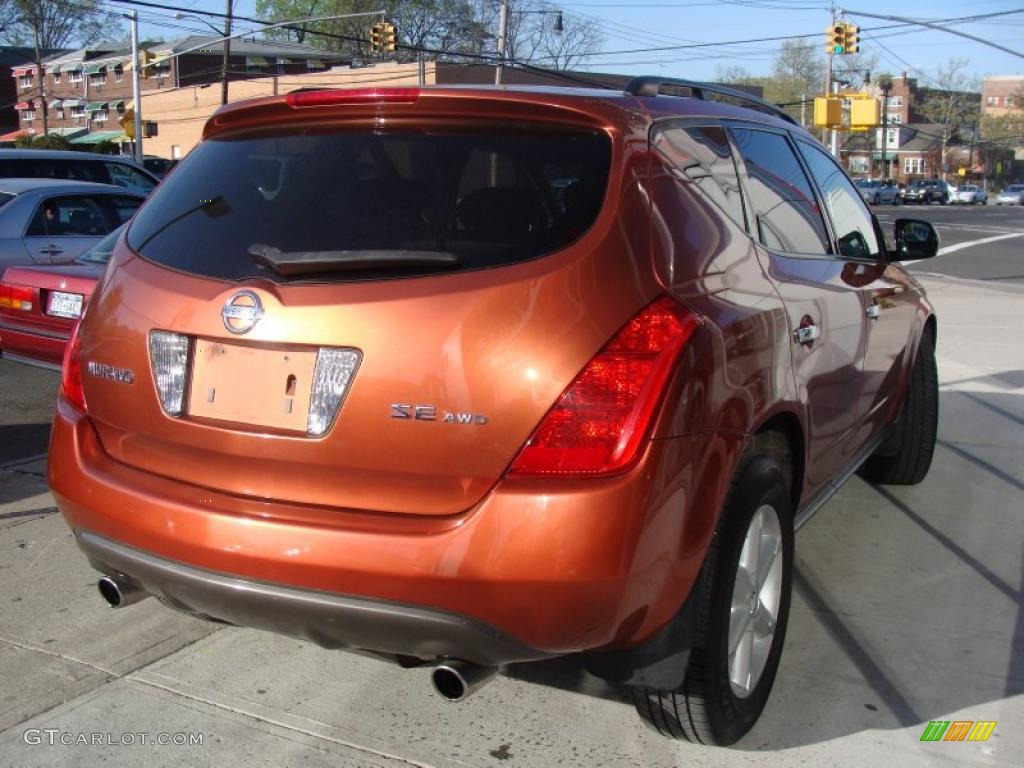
[
  {"x": 998, "y": 260},
  {"x": 908, "y": 607}
]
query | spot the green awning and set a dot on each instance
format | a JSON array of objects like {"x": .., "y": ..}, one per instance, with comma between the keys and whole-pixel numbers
[
  {"x": 56, "y": 104},
  {"x": 97, "y": 137},
  {"x": 94, "y": 69},
  {"x": 256, "y": 61},
  {"x": 68, "y": 132},
  {"x": 117, "y": 104},
  {"x": 55, "y": 70},
  {"x": 73, "y": 103},
  {"x": 96, "y": 106}
]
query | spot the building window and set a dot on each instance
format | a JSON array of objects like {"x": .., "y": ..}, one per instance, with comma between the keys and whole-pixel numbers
[
  {"x": 28, "y": 115},
  {"x": 895, "y": 117},
  {"x": 100, "y": 116},
  {"x": 25, "y": 81},
  {"x": 914, "y": 165},
  {"x": 1008, "y": 101},
  {"x": 100, "y": 78},
  {"x": 60, "y": 114},
  {"x": 118, "y": 73},
  {"x": 56, "y": 78},
  {"x": 895, "y": 101},
  {"x": 77, "y": 113},
  {"x": 860, "y": 164},
  {"x": 75, "y": 76},
  {"x": 175, "y": 151},
  {"x": 892, "y": 137}
]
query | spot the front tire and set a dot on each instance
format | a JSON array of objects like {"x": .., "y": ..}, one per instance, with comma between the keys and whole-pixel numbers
[
  {"x": 907, "y": 456},
  {"x": 744, "y": 609}
]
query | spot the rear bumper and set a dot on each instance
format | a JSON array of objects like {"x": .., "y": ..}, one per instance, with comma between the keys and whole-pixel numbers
[
  {"x": 45, "y": 348},
  {"x": 331, "y": 621},
  {"x": 535, "y": 569}
]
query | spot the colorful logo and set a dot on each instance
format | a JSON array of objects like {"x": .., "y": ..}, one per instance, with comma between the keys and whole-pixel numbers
[{"x": 958, "y": 730}]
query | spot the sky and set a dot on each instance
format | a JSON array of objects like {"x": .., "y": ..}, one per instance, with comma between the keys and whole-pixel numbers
[{"x": 638, "y": 25}]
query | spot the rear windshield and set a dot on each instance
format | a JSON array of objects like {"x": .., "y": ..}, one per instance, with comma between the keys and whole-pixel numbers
[{"x": 357, "y": 205}]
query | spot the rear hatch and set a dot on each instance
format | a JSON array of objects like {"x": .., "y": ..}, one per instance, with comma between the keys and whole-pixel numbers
[{"x": 365, "y": 305}]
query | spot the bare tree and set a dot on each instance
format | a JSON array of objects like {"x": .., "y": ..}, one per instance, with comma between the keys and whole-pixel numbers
[
  {"x": 57, "y": 24},
  {"x": 534, "y": 36},
  {"x": 954, "y": 104}
]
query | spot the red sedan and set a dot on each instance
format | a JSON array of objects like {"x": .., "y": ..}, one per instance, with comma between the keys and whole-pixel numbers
[{"x": 39, "y": 305}]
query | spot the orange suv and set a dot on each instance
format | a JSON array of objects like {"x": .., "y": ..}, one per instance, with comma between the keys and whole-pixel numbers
[{"x": 466, "y": 377}]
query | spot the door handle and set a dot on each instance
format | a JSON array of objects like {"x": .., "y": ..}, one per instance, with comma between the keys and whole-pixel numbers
[
  {"x": 51, "y": 250},
  {"x": 873, "y": 311},
  {"x": 805, "y": 334}
]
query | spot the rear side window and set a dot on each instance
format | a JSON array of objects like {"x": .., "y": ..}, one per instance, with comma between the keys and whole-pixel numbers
[
  {"x": 786, "y": 214},
  {"x": 125, "y": 176},
  {"x": 72, "y": 216},
  {"x": 32, "y": 168},
  {"x": 703, "y": 156},
  {"x": 356, "y": 205}
]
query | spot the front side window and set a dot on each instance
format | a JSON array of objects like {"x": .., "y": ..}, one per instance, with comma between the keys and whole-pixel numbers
[
  {"x": 125, "y": 176},
  {"x": 851, "y": 219},
  {"x": 702, "y": 157},
  {"x": 784, "y": 210}
]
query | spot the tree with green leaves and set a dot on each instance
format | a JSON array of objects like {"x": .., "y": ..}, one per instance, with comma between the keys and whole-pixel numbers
[{"x": 53, "y": 24}]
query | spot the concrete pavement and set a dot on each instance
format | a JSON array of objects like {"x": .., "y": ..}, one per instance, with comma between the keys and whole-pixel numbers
[{"x": 907, "y": 608}]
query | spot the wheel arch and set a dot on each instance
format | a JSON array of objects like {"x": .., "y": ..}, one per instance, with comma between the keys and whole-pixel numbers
[{"x": 781, "y": 438}]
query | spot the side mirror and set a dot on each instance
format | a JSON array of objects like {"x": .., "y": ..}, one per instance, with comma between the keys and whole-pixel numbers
[{"x": 915, "y": 239}]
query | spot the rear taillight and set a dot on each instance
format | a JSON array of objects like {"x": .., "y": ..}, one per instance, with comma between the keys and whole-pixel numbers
[
  {"x": 334, "y": 371},
  {"x": 17, "y": 297},
  {"x": 352, "y": 96},
  {"x": 71, "y": 370},
  {"x": 598, "y": 425}
]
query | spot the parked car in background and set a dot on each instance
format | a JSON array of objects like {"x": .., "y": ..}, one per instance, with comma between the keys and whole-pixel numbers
[
  {"x": 927, "y": 191},
  {"x": 158, "y": 166},
  {"x": 878, "y": 192},
  {"x": 971, "y": 194},
  {"x": 644, "y": 336},
  {"x": 51, "y": 221},
  {"x": 40, "y": 305},
  {"x": 1011, "y": 195},
  {"x": 76, "y": 166}
]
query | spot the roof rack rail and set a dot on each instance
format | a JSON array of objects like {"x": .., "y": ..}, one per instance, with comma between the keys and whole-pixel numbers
[{"x": 650, "y": 85}]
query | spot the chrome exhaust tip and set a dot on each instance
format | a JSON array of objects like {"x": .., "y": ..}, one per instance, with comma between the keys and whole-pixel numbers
[
  {"x": 119, "y": 593},
  {"x": 457, "y": 680}
]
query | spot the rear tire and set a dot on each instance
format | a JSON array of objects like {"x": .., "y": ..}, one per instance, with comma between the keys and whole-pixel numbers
[
  {"x": 906, "y": 460},
  {"x": 724, "y": 693}
]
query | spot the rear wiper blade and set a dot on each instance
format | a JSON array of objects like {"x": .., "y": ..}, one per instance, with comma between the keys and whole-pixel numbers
[{"x": 290, "y": 263}]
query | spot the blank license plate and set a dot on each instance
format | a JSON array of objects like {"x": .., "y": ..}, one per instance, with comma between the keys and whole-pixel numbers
[
  {"x": 249, "y": 385},
  {"x": 64, "y": 305}
]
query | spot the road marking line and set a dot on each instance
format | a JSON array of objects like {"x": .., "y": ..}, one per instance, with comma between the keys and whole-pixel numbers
[{"x": 969, "y": 243}]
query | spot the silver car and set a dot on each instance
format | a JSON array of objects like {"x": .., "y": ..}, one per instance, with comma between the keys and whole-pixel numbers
[
  {"x": 76, "y": 166},
  {"x": 970, "y": 194},
  {"x": 53, "y": 221},
  {"x": 1011, "y": 195},
  {"x": 877, "y": 192}
]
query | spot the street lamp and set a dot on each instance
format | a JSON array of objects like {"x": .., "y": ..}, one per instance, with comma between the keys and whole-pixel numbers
[{"x": 503, "y": 34}]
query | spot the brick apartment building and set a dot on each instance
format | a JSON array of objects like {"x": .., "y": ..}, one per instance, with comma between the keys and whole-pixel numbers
[
  {"x": 1002, "y": 94},
  {"x": 88, "y": 91}
]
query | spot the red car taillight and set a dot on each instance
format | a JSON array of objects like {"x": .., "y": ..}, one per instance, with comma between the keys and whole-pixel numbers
[
  {"x": 598, "y": 425},
  {"x": 71, "y": 371},
  {"x": 332, "y": 97},
  {"x": 17, "y": 297}
]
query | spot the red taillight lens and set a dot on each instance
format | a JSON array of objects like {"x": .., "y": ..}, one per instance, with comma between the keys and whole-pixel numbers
[
  {"x": 71, "y": 371},
  {"x": 352, "y": 96},
  {"x": 17, "y": 297},
  {"x": 598, "y": 425}
]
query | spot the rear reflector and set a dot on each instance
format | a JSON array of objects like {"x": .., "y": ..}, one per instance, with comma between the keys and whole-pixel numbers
[
  {"x": 352, "y": 96},
  {"x": 600, "y": 422},
  {"x": 71, "y": 370},
  {"x": 168, "y": 357},
  {"x": 17, "y": 297},
  {"x": 334, "y": 371}
]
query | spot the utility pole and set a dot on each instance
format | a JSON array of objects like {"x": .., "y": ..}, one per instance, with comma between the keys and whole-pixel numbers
[
  {"x": 227, "y": 54},
  {"x": 502, "y": 41},
  {"x": 886, "y": 86},
  {"x": 828, "y": 76},
  {"x": 803, "y": 110},
  {"x": 39, "y": 74},
  {"x": 136, "y": 86}
]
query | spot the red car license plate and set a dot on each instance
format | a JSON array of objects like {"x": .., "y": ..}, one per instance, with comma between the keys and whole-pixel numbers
[{"x": 64, "y": 305}]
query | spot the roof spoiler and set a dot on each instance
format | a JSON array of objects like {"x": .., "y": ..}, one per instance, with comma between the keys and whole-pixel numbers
[{"x": 650, "y": 85}]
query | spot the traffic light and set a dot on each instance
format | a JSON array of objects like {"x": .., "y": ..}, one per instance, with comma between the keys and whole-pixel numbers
[
  {"x": 389, "y": 37},
  {"x": 377, "y": 36},
  {"x": 865, "y": 113},
  {"x": 851, "y": 38},
  {"x": 828, "y": 112},
  {"x": 836, "y": 43}
]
